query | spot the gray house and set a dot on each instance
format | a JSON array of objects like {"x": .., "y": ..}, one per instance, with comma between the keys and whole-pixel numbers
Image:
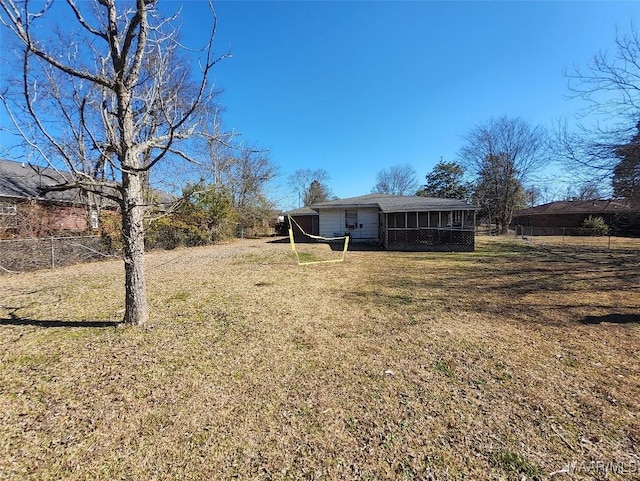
[{"x": 404, "y": 223}]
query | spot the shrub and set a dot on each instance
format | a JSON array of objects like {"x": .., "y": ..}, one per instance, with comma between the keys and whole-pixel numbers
[
  {"x": 202, "y": 216},
  {"x": 170, "y": 232},
  {"x": 111, "y": 230},
  {"x": 594, "y": 226}
]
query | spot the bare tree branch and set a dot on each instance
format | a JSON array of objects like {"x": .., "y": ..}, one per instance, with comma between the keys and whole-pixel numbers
[
  {"x": 503, "y": 153},
  {"x": 607, "y": 151},
  {"x": 121, "y": 104}
]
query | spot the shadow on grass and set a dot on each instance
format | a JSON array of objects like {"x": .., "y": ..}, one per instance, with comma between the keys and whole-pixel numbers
[
  {"x": 19, "y": 321},
  {"x": 334, "y": 245},
  {"x": 613, "y": 318},
  {"x": 281, "y": 240},
  {"x": 298, "y": 240},
  {"x": 356, "y": 247}
]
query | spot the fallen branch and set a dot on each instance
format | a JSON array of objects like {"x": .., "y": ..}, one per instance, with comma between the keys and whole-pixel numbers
[
  {"x": 562, "y": 437},
  {"x": 7, "y": 270}
]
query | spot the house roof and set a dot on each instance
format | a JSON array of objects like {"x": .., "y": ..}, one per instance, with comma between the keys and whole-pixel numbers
[
  {"x": 302, "y": 211},
  {"x": 396, "y": 203},
  {"x": 577, "y": 207},
  {"x": 26, "y": 181}
]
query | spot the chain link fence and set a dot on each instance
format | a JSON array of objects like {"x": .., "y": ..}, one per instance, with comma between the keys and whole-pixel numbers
[
  {"x": 18, "y": 255},
  {"x": 579, "y": 236}
]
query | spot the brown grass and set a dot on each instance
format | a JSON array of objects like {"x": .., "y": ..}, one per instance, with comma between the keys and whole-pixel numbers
[{"x": 507, "y": 363}]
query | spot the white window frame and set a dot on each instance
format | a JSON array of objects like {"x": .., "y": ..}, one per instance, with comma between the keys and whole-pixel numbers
[{"x": 7, "y": 208}]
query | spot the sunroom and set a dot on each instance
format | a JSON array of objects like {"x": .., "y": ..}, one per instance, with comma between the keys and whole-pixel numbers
[{"x": 429, "y": 230}]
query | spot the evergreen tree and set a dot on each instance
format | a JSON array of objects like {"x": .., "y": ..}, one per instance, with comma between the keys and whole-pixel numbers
[{"x": 446, "y": 181}]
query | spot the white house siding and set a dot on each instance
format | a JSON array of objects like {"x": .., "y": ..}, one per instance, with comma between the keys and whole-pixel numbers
[
  {"x": 331, "y": 222},
  {"x": 368, "y": 219}
]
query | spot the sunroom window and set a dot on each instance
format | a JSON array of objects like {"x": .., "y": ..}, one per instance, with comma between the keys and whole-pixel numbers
[{"x": 412, "y": 220}]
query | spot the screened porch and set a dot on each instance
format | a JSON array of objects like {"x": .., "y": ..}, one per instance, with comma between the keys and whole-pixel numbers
[{"x": 441, "y": 230}]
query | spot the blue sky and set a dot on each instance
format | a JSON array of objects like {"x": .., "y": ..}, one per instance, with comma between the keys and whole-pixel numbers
[{"x": 356, "y": 87}]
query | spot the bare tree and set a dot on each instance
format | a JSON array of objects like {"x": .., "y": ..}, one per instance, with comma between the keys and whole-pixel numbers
[
  {"x": 103, "y": 97},
  {"x": 240, "y": 171},
  {"x": 302, "y": 179},
  {"x": 503, "y": 153},
  {"x": 584, "y": 191},
  {"x": 316, "y": 193},
  {"x": 532, "y": 195},
  {"x": 397, "y": 179},
  {"x": 610, "y": 86},
  {"x": 498, "y": 191}
]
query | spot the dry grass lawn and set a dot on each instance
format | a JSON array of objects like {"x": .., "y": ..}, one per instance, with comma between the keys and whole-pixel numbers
[{"x": 518, "y": 361}]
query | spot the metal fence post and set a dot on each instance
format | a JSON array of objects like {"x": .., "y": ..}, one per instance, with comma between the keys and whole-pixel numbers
[{"x": 53, "y": 255}]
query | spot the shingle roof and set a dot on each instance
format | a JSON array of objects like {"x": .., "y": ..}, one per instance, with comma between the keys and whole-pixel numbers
[
  {"x": 25, "y": 181},
  {"x": 302, "y": 211},
  {"x": 396, "y": 203},
  {"x": 577, "y": 207}
]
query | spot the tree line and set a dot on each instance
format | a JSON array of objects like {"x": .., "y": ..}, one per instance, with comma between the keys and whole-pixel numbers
[{"x": 494, "y": 168}]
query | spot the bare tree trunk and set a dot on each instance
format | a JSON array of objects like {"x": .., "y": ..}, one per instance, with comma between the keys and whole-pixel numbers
[
  {"x": 136, "y": 310},
  {"x": 123, "y": 100}
]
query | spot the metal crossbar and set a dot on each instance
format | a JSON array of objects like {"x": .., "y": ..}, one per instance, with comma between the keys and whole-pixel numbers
[{"x": 317, "y": 237}]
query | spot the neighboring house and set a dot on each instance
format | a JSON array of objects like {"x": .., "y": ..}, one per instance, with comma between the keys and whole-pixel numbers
[
  {"x": 556, "y": 217},
  {"x": 28, "y": 209},
  {"x": 405, "y": 223}
]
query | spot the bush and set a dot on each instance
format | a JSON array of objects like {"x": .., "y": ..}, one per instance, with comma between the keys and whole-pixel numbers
[
  {"x": 594, "y": 226},
  {"x": 111, "y": 231},
  {"x": 202, "y": 216},
  {"x": 170, "y": 232}
]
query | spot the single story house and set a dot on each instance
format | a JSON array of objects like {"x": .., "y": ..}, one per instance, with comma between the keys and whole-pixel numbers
[
  {"x": 29, "y": 209},
  {"x": 403, "y": 223},
  {"x": 556, "y": 218}
]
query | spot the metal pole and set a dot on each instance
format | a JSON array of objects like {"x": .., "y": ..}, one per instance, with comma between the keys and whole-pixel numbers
[{"x": 53, "y": 255}]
